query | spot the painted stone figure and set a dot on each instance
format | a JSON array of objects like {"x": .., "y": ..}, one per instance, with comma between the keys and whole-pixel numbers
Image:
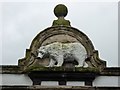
[{"x": 58, "y": 50}]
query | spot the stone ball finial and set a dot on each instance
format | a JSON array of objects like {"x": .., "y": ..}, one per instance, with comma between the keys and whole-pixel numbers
[{"x": 60, "y": 10}]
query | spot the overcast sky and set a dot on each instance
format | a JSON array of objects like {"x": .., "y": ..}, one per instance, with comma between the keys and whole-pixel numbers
[{"x": 22, "y": 21}]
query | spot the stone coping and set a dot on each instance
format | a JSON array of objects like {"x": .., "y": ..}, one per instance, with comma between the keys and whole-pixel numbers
[
  {"x": 10, "y": 69},
  {"x": 38, "y": 87},
  {"x": 14, "y": 69},
  {"x": 63, "y": 69}
]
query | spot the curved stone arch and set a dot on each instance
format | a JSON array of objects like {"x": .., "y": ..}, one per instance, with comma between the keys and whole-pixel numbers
[
  {"x": 29, "y": 60},
  {"x": 63, "y": 38},
  {"x": 60, "y": 30}
]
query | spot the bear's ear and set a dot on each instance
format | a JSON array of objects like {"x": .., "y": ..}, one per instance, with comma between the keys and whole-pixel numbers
[{"x": 41, "y": 52}]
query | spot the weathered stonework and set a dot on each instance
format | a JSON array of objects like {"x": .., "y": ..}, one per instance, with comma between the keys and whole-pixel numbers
[
  {"x": 60, "y": 12},
  {"x": 61, "y": 21},
  {"x": 35, "y": 67},
  {"x": 61, "y": 32},
  {"x": 37, "y": 87},
  {"x": 53, "y": 34}
]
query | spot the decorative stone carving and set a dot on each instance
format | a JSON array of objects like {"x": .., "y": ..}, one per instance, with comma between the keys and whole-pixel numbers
[
  {"x": 58, "y": 51},
  {"x": 62, "y": 35},
  {"x": 60, "y": 12}
]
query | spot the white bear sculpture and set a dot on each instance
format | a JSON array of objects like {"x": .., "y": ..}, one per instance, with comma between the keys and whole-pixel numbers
[{"x": 57, "y": 51}]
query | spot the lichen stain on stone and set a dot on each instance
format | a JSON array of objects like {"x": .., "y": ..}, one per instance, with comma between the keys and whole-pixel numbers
[
  {"x": 77, "y": 69},
  {"x": 61, "y": 22}
]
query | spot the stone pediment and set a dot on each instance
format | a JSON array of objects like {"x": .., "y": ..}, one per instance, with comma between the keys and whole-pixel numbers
[
  {"x": 60, "y": 53},
  {"x": 61, "y": 46},
  {"x": 62, "y": 34}
]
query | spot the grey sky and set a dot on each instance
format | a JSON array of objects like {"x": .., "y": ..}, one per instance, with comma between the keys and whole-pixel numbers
[{"x": 22, "y": 21}]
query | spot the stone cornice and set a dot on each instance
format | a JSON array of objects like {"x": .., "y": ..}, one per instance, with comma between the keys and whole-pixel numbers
[
  {"x": 38, "y": 87},
  {"x": 14, "y": 69}
]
